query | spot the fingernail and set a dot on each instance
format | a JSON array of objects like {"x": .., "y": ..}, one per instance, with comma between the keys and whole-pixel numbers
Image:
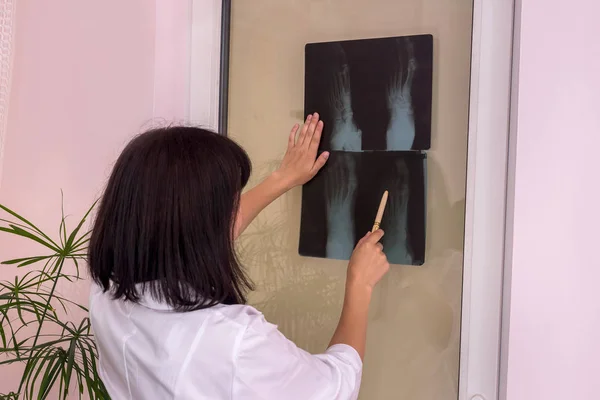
[
  {"x": 309, "y": 117},
  {"x": 326, "y": 155}
]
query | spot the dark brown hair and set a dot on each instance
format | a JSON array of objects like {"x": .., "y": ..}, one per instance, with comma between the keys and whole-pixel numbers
[{"x": 165, "y": 221}]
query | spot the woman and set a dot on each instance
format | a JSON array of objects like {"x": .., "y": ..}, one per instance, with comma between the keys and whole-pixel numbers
[{"x": 168, "y": 307}]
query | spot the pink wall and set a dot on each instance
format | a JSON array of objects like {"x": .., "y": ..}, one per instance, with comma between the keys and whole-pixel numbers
[
  {"x": 554, "y": 332},
  {"x": 82, "y": 84},
  {"x": 88, "y": 75},
  {"x": 84, "y": 81}
]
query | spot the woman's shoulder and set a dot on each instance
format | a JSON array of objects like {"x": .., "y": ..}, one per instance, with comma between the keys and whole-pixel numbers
[
  {"x": 242, "y": 316},
  {"x": 246, "y": 316}
]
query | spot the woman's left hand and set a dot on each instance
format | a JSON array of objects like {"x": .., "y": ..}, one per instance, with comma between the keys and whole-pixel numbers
[{"x": 300, "y": 163}]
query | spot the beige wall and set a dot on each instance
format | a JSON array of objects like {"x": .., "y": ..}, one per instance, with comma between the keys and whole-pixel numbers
[{"x": 415, "y": 320}]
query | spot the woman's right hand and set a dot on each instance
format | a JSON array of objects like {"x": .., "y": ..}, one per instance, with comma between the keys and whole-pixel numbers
[
  {"x": 368, "y": 263},
  {"x": 367, "y": 266}
]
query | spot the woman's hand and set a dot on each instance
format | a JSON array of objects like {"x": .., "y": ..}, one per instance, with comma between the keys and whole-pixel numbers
[
  {"x": 367, "y": 266},
  {"x": 300, "y": 163},
  {"x": 368, "y": 263}
]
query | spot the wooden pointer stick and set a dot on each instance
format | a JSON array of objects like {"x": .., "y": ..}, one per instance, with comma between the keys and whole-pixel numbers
[
  {"x": 380, "y": 211},
  {"x": 383, "y": 293}
]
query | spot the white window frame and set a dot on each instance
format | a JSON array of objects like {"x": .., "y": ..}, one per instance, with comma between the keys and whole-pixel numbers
[
  {"x": 485, "y": 215},
  {"x": 205, "y": 61},
  {"x": 489, "y": 115}
]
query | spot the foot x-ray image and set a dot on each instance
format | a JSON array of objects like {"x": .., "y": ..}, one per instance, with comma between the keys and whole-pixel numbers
[
  {"x": 339, "y": 205},
  {"x": 374, "y": 96}
]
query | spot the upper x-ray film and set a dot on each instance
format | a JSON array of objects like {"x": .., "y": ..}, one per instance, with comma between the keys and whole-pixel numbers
[{"x": 372, "y": 94}]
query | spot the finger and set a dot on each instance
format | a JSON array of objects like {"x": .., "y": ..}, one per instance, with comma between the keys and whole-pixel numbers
[
  {"x": 304, "y": 129},
  {"x": 379, "y": 246},
  {"x": 316, "y": 138},
  {"x": 363, "y": 238},
  {"x": 375, "y": 236},
  {"x": 320, "y": 163},
  {"x": 311, "y": 129},
  {"x": 292, "y": 138},
  {"x": 386, "y": 266}
]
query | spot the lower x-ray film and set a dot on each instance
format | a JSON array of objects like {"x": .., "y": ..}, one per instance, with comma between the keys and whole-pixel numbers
[{"x": 339, "y": 205}]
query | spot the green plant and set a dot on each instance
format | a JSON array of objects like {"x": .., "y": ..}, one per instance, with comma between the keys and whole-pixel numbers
[{"x": 63, "y": 354}]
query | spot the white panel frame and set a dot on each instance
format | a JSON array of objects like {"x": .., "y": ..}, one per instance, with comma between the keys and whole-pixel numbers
[
  {"x": 205, "y": 63},
  {"x": 510, "y": 200},
  {"x": 7, "y": 37},
  {"x": 489, "y": 117}
]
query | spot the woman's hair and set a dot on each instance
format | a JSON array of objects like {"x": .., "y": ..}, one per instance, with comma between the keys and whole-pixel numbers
[{"x": 165, "y": 222}]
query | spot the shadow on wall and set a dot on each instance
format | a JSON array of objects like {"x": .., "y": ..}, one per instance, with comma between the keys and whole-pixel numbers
[
  {"x": 442, "y": 236},
  {"x": 293, "y": 292},
  {"x": 303, "y": 296}
]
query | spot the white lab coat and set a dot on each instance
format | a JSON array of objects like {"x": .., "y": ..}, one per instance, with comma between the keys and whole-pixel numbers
[{"x": 148, "y": 351}]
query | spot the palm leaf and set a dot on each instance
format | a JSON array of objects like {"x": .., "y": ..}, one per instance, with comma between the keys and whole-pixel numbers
[
  {"x": 27, "y": 223},
  {"x": 51, "y": 360},
  {"x": 22, "y": 262},
  {"x": 72, "y": 237},
  {"x": 16, "y": 230}
]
